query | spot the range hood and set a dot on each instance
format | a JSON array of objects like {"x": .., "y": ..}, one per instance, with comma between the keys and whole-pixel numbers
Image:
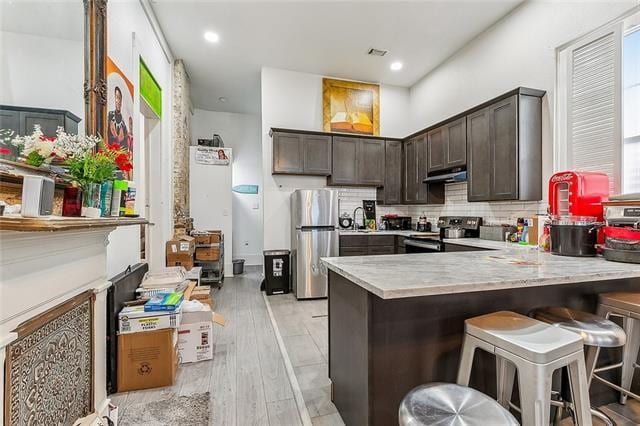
[{"x": 450, "y": 176}]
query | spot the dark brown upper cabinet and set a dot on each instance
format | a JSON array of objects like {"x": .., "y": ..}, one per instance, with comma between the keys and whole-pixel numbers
[
  {"x": 371, "y": 162},
  {"x": 301, "y": 154},
  {"x": 416, "y": 156},
  {"x": 391, "y": 192},
  {"x": 504, "y": 146},
  {"x": 447, "y": 146},
  {"x": 357, "y": 161}
]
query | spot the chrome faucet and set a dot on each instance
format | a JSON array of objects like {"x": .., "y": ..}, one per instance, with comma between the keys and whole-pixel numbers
[{"x": 355, "y": 226}]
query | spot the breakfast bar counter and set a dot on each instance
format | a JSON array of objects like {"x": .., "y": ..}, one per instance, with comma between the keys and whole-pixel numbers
[{"x": 397, "y": 321}]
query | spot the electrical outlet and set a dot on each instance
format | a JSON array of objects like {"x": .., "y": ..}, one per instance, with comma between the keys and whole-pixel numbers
[{"x": 246, "y": 243}]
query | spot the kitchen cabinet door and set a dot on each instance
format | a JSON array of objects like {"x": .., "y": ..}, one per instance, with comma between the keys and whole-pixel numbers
[
  {"x": 371, "y": 156},
  {"x": 503, "y": 137},
  {"x": 437, "y": 147},
  {"x": 344, "y": 169},
  {"x": 10, "y": 120},
  {"x": 410, "y": 172},
  {"x": 317, "y": 155},
  {"x": 391, "y": 193},
  {"x": 478, "y": 156},
  {"x": 288, "y": 156},
  {"x": 456, "y": 152},
  {"x": 422, "y": 155}
]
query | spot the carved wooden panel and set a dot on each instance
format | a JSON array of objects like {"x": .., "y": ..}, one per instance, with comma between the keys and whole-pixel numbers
[{"x": 49, "y": 368}]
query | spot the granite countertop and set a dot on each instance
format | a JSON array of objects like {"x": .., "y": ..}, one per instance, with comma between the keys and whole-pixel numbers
[
  {"x": 426, "y": 274},
  {"x": 487, "y": 244}
]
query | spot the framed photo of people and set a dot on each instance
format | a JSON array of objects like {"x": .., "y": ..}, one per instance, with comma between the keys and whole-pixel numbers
[{"x": 120, "y": 120}]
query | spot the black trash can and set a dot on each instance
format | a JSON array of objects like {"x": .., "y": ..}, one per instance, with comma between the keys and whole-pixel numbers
[{"x": 276, "y": 271}]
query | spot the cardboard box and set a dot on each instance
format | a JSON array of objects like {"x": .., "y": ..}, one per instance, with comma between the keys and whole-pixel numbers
[
  {"x": 147, "y": 360},
  {"x": 208, "y": 253},
  {"x": 194, "y": 342},
  {"x": 184, "y": 260},
  {"x": 183, "y": 244},
  {"x": 207, "y": 237},
  {"x": 133, "y": 319}
]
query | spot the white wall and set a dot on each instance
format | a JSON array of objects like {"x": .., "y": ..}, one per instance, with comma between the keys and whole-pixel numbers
[
  {"x": 43, "y": 72},
  {"x": 130, "y": 36},
  {"x": 241, "y": 132},
  {"x": 517, "y": 51},
  {"x": 294, "y": 100}
]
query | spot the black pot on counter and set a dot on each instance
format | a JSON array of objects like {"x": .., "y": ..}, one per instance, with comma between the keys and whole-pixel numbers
[{"x": 574, "y": 236}]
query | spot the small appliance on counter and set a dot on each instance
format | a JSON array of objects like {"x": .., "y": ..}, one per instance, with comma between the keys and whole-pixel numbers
[
  {"x": 369, "y": 207},
  {"x": 396, "y": 223},
  {"x": 423, "y": 224},
  {"x": 622, "y": 233},
  {"x": 578, "y": 194},
  {"x": 345, "y": 221},
  {"x": 576, "y": 210},
  {"x": 459, "y": 226}
]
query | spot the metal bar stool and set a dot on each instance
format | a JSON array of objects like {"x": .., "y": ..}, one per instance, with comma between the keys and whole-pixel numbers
[
  {"x": 533, "y": 349},
  {"x": 596, "y": 332},
  {"x": 448, "y": 404},
  {"x": 627, "y": 306}
]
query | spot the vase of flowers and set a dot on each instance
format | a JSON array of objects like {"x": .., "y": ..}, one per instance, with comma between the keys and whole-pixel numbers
[{"x": 93, "y": 168}]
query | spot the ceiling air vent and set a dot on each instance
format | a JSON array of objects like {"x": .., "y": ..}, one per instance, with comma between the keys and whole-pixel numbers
[{"x": 377, "y": 52}]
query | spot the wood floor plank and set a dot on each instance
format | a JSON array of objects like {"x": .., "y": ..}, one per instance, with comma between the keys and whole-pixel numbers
[
  {"x": 283, "y": 413},
  {"x": 246, "y": 377},
  {"x": 251, "y": 404}
]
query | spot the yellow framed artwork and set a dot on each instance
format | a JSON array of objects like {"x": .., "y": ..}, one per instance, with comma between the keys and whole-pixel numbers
[{"x": 350, "y": 107}]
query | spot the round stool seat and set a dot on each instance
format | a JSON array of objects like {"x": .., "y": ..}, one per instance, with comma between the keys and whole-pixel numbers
[
  {"x": 595, "y": 330},
  {"x": 448, "y": 404}
]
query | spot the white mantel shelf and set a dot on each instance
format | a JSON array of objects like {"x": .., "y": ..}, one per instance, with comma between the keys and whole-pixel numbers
[
  {"x": 45, "y": 262},
  {"x": 60, "y": 223}
]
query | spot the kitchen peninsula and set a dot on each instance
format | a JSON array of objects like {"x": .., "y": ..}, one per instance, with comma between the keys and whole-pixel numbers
[{"x": 396, "y": 322}]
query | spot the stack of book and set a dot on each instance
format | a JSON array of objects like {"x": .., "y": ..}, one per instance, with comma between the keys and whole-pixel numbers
[
  {"x": 168, "y": 280},
  {"x": 164, "y": 302}
]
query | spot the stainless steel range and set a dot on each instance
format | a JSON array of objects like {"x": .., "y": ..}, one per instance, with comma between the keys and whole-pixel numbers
[{"x": 449, "y": 227}]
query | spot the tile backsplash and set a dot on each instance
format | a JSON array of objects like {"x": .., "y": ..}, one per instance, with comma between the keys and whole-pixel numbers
[{"x": 456, "y": 204}]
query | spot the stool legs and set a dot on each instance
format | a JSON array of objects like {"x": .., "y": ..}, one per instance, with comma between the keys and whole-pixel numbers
[
  {"x": 535, "y": 394},
  {"x": 505, "y": 378},
  {"x": 631, "y": 326},
  {"x": 580, "y": 391},
  {"x": 469, "y": 346}
]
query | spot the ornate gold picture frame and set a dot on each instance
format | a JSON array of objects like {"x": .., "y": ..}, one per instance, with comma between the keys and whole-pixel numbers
[{"x": 350, "y": 107}]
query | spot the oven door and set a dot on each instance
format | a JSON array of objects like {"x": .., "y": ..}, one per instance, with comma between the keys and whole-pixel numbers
[{"x": 422, "y": 246}]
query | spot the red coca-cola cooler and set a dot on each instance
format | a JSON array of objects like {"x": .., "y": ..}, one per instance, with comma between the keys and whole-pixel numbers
[{"x": 578, "y": 194}]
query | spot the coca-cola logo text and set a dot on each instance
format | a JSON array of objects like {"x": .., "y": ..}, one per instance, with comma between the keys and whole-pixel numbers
[{"x": 562, "y": 178}]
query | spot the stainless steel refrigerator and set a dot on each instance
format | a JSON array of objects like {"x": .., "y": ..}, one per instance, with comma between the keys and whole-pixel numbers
[{"x": 314, "y": 216}]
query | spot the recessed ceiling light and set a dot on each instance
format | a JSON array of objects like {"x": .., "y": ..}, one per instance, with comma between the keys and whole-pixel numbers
[
  {"x": 222, "y": 99},
  {"x": 396, "y": 66},
  {"x": 211, "y": 37}
]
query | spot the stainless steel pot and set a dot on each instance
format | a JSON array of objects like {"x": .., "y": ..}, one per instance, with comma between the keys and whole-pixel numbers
[{"x": 454, "y": 233}]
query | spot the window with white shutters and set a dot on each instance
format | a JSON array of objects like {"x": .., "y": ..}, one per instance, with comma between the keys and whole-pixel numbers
[
  {"x": 597, "y": 116},
  {"x": 593, "y": 119}
]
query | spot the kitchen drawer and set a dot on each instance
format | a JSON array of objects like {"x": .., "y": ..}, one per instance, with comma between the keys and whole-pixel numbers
[
  {"x": 354, "y": 241},
  {"x": 353, "y": 251},
  {"x": 382, "y": 240},
  {"x": 382, "y": 250},
  {"x": 400, "y": 241},
  {"x": 401, "y": 250}
]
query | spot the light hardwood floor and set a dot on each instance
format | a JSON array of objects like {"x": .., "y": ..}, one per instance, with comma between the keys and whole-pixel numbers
[
  {"x": 304, "y": 325},
  {"x": 246, "y": 378}
]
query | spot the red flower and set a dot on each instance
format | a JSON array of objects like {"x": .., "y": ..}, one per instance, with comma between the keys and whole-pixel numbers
[
  {"x": 4, "y": 151},
  {"x": 123, "y": 162}
]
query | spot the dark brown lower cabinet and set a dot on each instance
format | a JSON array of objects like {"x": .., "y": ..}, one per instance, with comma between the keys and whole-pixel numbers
[{"x": 368, "y": 245}]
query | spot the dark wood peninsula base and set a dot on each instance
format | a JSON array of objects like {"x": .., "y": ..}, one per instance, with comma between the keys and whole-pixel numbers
[{"x": 379, "y": 349}]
